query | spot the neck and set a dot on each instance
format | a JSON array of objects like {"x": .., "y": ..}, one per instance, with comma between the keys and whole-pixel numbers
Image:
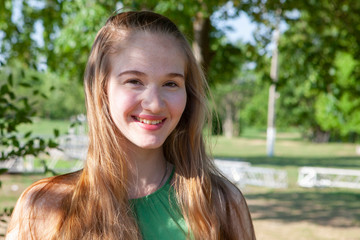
[{"x": 147, "y": 171}]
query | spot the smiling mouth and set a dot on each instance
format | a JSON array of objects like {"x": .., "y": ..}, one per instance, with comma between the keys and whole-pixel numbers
[{"x": 149, "y": 122}]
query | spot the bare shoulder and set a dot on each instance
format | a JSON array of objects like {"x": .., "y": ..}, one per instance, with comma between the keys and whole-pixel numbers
[
  {"x": 46, "y": 193},
  {"x": 38, "y": 206}
]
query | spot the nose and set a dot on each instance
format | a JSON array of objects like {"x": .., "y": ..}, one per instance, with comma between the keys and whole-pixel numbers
[{"x": 153, "y": 100}]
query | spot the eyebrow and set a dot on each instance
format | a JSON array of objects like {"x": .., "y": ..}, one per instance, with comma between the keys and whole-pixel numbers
[{"x": 141, "y": 74}]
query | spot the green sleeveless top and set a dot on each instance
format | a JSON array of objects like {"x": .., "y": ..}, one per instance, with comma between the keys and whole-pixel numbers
[{"x": 158, "y": 214}]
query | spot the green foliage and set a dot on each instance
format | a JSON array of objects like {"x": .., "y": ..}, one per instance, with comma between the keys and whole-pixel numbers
[
  {"x": 319, "y": 55},
  {"x": 69, "y": 30},
  {"x": 326, "y": 112},
  {"x": 20, "y": 49},
  {"x": 4, "y": 217},
  {"x": 254, "y": 113},
  {"x": 319, "y": 63},
  {"x": 16, "y": 110},
  {"x": 226, "y": 62},
  {"x": 236, "y": 99},
  {"x": 66, "y": 100},
  {"x": 81, "y": 21}
]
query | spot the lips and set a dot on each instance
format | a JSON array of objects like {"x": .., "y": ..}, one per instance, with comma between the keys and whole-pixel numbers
[{"x": 149, "y": 121}]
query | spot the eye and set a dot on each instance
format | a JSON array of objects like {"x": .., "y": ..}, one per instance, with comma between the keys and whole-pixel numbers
[
  {"x": 133, "y": 82},
  {"x": 171, "y": 84}
]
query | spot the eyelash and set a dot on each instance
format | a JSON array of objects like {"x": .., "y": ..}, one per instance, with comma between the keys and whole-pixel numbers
[
  {"x": 171, "y": 84},
  {"x": 134, "y": 81},
  {"x": 138, "y": 82}
]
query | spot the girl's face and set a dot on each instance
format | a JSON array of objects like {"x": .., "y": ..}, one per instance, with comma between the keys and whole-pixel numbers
[{"x": 146, "y": 88}]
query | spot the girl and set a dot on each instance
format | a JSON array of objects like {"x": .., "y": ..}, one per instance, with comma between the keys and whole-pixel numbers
[{"x": 147, "y": 175}]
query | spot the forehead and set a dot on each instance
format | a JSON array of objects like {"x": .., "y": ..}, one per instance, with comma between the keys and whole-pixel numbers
[{"x": 150, "y": 53}]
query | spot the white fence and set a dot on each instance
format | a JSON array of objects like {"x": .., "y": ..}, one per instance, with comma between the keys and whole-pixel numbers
[
  {"x": 242, "y": 173},
  {"x": 266, "y": 177},
  {"x": 73, "y": 148},
  {"x": 233, "y": 170},
  {"x": 328, "y": 177}
]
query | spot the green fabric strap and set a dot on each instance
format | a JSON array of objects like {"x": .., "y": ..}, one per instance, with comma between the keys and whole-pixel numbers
[{"x": 158, "y": 214}]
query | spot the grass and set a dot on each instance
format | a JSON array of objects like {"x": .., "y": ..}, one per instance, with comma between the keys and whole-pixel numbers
[
  {"x": 13, "y": 185},
  {"x": 285, "y": 147},
  {"x": 292, "y": 213},
  {"x": 289, "y": 154},
  {"x": 44, "y": 127},
  {"x": 301, "y": 213}
]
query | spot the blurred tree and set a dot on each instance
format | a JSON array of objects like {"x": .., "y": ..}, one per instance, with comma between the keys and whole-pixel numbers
[
  {"x": 254, "y": 112},
  {"x": 196, "y": 20},
  {"x": 319, "y": 35},
  {"x": 320, "y": 39},
  {"x": 67, "y": 29},
  {"x": 16, "y": 110},
  {"x": 231, "y": 97},
  {"x": 54, "y": 36},
  {"x": 338, "y": 112}
]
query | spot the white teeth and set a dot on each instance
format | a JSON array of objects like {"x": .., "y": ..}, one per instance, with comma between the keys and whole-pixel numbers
[{"x": 150, "y": 122}]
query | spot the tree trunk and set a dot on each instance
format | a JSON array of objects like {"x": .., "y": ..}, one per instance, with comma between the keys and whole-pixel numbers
[
  {"x": 228, "y": 124},
  {"x": 321, "y": 136},
  {"x": 201, "y": 41}
]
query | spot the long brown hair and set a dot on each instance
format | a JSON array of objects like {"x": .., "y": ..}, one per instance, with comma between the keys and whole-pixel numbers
[{"x": 98, "y": 207}]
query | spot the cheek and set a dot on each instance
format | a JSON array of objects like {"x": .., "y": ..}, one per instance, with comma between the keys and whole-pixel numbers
[
  {"x": 120, "y": 103},
  {"x": 178, "y": 104}
]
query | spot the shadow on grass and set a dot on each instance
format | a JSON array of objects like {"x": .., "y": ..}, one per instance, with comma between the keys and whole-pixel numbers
[
  {"x": 328, "y": 207},
  {"x": 334, "y": 162}
]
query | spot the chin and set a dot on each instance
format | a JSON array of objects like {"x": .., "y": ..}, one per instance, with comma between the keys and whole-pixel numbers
[{"x": 150, "y": 146}]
